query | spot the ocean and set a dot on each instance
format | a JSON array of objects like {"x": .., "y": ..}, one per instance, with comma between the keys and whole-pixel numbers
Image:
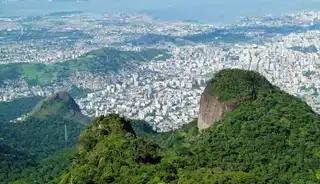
[{"x": 206, "y": 11}]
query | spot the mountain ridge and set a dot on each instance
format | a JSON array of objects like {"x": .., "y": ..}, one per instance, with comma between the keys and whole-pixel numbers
[
  {"x": 37, "y": 144},
  {"x": 228, "y": 89},
  {"x": 60, "y": 104},
  {"x": 53, "y": 124},
  {"x": 269, "y": 137}
]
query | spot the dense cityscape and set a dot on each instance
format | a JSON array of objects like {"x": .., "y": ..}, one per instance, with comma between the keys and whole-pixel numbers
[{"x": 163, "y": 92}]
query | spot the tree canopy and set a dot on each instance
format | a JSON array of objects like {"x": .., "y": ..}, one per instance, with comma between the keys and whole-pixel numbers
[{"x": 271, "y": 138}]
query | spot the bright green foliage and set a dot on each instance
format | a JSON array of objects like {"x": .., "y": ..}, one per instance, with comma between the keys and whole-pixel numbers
[
  {"x": 26, "y": 144},
  {"x": 273, "y": 138},
  {"x": 12, "y": 162},
  {"x": 46, "y": 169},
  {"x": 270, "y": 137},
  {"x": 99, "y": 61},
  {"x": 109, "y": 152},
  {"x": 235, "y": 85},
  {"x": 41, "y": 137},
  {"x": 215, "y": 176}
]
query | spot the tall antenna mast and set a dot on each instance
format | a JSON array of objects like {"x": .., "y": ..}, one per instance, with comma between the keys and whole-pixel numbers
[{"x": 65, "y": 136}]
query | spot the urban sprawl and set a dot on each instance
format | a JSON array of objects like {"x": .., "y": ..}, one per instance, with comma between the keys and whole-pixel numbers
[{"x": 165, "y": 93}]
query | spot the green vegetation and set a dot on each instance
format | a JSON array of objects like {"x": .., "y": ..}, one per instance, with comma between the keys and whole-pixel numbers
[
  {"x": 46, "y": 169},
  {"x": 12, "y": 110},
  {"x": 235, "y": 85},
  {"x": 61, "y": 105},
  {"x": 43, "y": 132},
  {"x": 142, "y": 129},
  {"x": 19, "y": 168},
  {"x": 273, "y": 138},
  {"x": 41, "y": 137},
  {"x": 270, "y": 137},
  {"x": 77, "y": 92},
  {"x": 99, "y": 61},
  {"x": 12, "y": 162},
  {"x": 109, "y": 152},
  {"x": 28, "y": 148}
]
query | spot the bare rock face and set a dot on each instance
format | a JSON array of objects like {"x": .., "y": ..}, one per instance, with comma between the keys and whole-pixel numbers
[
  {"x": 211, "y": 111},
  {"x": 228, "y": 89}
]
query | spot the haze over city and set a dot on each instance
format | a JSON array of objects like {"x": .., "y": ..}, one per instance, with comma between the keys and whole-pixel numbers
[
  {"x": 195, "y": 37},
  {"x": 159, "y": 91},
  {"x": 208, "y": 11}
]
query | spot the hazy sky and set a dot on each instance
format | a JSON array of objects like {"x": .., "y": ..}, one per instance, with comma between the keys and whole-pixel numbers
[{"x": 202, "y": 10}]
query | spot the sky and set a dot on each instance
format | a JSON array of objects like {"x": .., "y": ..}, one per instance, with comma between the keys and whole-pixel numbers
[{"x": 210, "y": 11}]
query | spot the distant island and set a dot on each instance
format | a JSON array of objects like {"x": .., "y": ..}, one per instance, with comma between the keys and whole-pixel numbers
[
  {"x": 191, "y": 21},
  {"x": 63, "y": 13}
]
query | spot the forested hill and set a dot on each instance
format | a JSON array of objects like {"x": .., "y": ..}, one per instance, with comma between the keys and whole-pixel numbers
[
  {"x": 12, "y": 161},
  {"x": 29, "y": 146},
  {"x": 45, "y": 128},
  {"x": 101, "y": 61},
  {"x": 12, "y": 110},
  {"x": 269, "y": 137},
  {"x": 60, "y": 104}
]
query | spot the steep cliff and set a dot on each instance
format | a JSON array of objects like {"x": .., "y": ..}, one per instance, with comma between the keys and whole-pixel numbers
[
  {"x": 268, "y": 136},
  {"x": 226, "y": 91},
  {"x": 211, "y": 110}
]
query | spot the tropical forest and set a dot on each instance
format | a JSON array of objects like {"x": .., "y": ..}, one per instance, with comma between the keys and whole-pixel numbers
[{"x": 264, "y": 135}]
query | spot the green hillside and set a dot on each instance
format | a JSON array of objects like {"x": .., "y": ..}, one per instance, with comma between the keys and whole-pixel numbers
[
  {"x": 99, "y": 61},
  {"x": 274, "y": 139},
  {"x": 236, "y": 85},
  {"x": 19, "y": 168},
  {"x": 43, "y": 170},
  {"x": 62, "y": 105},
  {"x": 43, "y": 131},
  {"x": 271, "y": 138},
  {"x": 12, "y": 162},
  {"x": 14, "y": 109},
  {"x": 41, "y": 137},
  {"x": 109, "y": 152},
  {"x": 35, "y": 150}
]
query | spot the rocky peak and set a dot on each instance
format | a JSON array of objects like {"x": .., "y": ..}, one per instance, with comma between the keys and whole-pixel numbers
[
  {"x": 211, "y": 110},
  {"x": 64, "y": 97},
  {"x": 226, "y": 91},
  {"x": 60, "y": 104}
]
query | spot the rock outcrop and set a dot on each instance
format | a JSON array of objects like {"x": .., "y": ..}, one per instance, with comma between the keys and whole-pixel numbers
[
  {"x": 60, "y": 104},
  {"x": 64, "y": 97},
  {"x": 211, "y": 110},
  {"x": 227, "y": 90}
]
